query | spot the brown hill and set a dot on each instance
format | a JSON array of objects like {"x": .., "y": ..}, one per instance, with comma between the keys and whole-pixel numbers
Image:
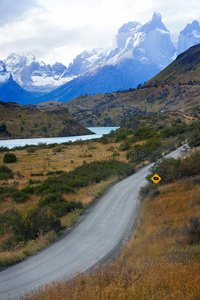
[{"x": 19, "y": 121}]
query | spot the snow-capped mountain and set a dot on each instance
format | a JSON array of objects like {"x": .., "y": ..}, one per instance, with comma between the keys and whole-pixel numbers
[
  {"x": 88, "y": 60},
  {"x": 34, "y": 75},
  {"x": 189, "y": 37},
  {"x": 4, "y": 75},
  {"x": 149, "y": 43},
  {"x": 139, "y": 53}
]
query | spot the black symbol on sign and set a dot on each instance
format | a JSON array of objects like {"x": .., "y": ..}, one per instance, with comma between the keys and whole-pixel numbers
[{"x": 156, "y": 178}]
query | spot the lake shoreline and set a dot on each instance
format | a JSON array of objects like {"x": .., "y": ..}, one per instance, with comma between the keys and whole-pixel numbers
[{"x": 97, "y": 133}]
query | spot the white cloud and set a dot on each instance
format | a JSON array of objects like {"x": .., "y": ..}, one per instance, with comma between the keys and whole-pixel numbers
[
  {"x": 11, "y": 10},
  {"x": 57, "y": 30}
]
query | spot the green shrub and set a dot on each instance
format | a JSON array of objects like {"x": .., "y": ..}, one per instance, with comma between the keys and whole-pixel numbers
[
  {"x": 6, "y": 192},
  {"x": 143, "y": 133},
  {"x": 194, "y": 139},
  {"x": 20, "y": 197},
  {"x": 174, "y": 130},
  {"x": 36, "y": 222},
  {"x": 170, "y": 169},
  {"x": 84, "y": 175},
  {"x": 5, "y": 173},
  {"x": 31, "y": 181},
  {"x": 58, "y": 172},
  {"x": 59, "y": 206},
  {"x": 9, "y": 158},
  {"x": 3, "y": 149},
  {"x": 28, "y": 190}
]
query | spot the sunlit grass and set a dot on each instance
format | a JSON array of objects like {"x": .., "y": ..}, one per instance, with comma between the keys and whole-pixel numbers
[{"x": 152, "y": 265}]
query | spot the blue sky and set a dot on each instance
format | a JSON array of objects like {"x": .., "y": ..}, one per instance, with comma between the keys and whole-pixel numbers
[{"x": 58, "y": 30}]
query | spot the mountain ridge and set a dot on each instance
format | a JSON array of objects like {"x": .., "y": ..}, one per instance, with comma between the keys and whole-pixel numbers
[
  {"x": 18, "y": 121},
  {"x": 177, "y": 87},
  {"x": 140, "y": 52}
]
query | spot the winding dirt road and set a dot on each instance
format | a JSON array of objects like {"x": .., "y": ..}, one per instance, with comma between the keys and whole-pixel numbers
[{"x": 101, "y": 231}]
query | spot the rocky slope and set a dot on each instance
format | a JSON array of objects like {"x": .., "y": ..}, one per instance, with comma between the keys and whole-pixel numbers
[
  {"x": 177, "y": 87},
  {"x": 19, "y": 121}
]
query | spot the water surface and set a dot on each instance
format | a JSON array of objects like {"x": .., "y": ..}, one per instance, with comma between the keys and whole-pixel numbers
[{"x": 99, "y": 132}]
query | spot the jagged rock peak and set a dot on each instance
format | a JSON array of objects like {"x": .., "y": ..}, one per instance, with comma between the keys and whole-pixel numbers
[
  {"x": 189, "y": 36},
  {"x": 155, "y": 23},
  {"x": 156, "y": 16},
  {"x": 128, "y": 27},
  {"x": 190, "y": 28}
]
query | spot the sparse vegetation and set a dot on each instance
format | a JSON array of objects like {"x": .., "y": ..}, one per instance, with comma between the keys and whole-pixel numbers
[
  {"x": 38, "y": 124},
  {"x": 65, "y": 182},
  {"x": 166, "y": 243},
  {"x": 170, "y": 169},
  {"x": 5, "y": 173}
]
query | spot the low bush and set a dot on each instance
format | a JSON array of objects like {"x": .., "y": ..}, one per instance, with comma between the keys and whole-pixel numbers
[
  {"x": 59, "y": 206},
  {"x": 58, "y": 172},
  {"x": 87, "y": 174},
  {"x": 30, "y": 227},
  {"x": 31, "y": 181},
  {"x": 9, "y": 158},
  {"x": 170, "y": 169},
  {"x": 4, "y": 149},
  {"x": 150, "y": 190},
  {"x": 5, "y": 173},
  {"x": 192, "y": 230},
  {"x": 194, "y": 139},
  {"x": 20, "y": 197},
  {"x": 28, "y": 190},
  {"x": 174, "y": 130},
  {"x": 6, "y": 192},
  {"x": 144, "y": 133}
]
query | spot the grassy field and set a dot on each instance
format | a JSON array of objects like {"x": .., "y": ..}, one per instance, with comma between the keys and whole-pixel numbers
[
  {"x": 32, "y": 168},
  {"x": 159, "y": 262},
  {"x": 28, "y": 187}
]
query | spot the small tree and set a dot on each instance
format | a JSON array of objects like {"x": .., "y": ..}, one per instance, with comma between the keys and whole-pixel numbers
[{"x": 9, "y": 158}]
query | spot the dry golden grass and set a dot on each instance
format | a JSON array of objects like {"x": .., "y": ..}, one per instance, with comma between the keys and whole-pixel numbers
[
  {"x": 23, "y": 250},
  {"x": 41, "y": 162},
  {"x": 152, "y": 265},
  {"x": 45, "y": 160}
]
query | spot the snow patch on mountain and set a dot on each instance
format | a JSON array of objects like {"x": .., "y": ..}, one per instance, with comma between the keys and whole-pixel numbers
[
  {"x": 44, "y": 80},
  {"x": 34, "y": 75},
  {"x": 139, "y": 52}
]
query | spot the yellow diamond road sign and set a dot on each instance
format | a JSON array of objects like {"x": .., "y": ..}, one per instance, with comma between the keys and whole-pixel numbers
[{"x": 156, "y": 178}]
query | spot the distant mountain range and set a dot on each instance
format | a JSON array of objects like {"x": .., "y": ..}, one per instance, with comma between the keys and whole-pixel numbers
[
  {"x": 175, "y": 88},
  {"x": 139, "y": 53}
]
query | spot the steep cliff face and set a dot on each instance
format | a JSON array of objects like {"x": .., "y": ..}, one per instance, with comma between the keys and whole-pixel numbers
[
  {"x": 189, "y": 37},
  {"x": 149, "y": 43}
]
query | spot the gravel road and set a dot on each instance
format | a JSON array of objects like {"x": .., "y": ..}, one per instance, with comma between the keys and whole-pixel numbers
[{"x": 102, "y": 230}]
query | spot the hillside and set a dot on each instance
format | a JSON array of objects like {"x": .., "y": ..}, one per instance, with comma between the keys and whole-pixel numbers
[
  {"x": 19, "y": 121},
  {"x": 177, "y": 87}
]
